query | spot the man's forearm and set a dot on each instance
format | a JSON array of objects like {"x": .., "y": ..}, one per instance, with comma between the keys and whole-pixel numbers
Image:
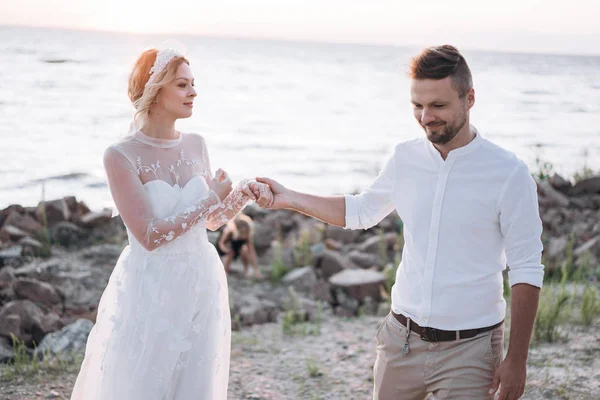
[
  {"x": 523, "y": 309},
  {"x": 327, "y": 209}
]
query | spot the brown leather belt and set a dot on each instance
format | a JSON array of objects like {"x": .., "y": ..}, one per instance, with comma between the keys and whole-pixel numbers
[{"x": 438, "y": 335}]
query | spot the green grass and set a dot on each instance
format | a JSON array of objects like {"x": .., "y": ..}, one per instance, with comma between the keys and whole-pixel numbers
[
  {"x": 590, "y": 305},
  {"x": 295, "y": 320},
  {"x": 25, "y": 366},
  {"x": 550, "y": 313},
  {"x": 302, "y": 253},
  {"x": 278, "y": 269},
  {"x": 313, "y": 368}
]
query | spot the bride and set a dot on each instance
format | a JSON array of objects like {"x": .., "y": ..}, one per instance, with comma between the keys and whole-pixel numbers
[{"x": 163, "y": 325}]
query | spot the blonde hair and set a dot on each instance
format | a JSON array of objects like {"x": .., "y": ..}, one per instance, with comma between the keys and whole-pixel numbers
[
  {"x": 142, "y": 96},
  {"x": 241, "y": 221}
]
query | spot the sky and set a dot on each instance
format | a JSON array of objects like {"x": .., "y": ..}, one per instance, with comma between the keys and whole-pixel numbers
[{"x": 545, "y": 26}]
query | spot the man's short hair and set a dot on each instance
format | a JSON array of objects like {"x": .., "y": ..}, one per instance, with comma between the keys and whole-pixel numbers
[{"x": 440, "y": 62}]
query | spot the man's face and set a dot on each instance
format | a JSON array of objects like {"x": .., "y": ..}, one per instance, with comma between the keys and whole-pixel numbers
[{"x": 439, "y": 109}]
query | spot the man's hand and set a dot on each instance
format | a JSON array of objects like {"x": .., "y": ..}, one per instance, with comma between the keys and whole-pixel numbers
[
  {"x": 280, "y": 193},
  {"x": 510, "y": 377},
  {"x": 259, "y": 192}
]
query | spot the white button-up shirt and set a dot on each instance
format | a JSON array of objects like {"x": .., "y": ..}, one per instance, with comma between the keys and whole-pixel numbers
[{"x": 465, "y": 218}]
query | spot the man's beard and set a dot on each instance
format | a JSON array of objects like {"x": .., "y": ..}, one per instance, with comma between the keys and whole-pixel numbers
[{"x": 444, "y": 134}]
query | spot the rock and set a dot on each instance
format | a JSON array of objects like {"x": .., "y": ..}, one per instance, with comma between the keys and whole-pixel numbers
[
  {"x": 24, "y": 222},
  {"x": 584, "y": 202},
  {"x": 391, "y": 223},
  {"x": 301, "y": 279},
  {"x": 341, "y": 235},
  {"x": 95, "y": 219},
  {"x": 7, "y": 276},
  {"x": 34, "y": 324},
  {"x": 11, "y": 325},
  {"x": 71, "y": 203},
  {"x": 12, "y": 232},
  {"x": 275, "y": 225},
  {"x": 69, "y": 340},
  {"x": 36, "y": 291},
  {"x": 334, "y": 245},
  {"x": 82, "y": 208},
  {"x": 373, "y": 244},
  {"x": 321, "y": 291},
  {"x": 359, "y": 283},
  {"x": 53, "y": 211},
  {"x": 256, "y": 311},
  {"x": 67, "y": 234},
  {"x": 8, "y": 210},
  {"x": 365, "y": 260},
  {"x": 30, "y": 247},
  {"x": 330, "y": 263},
  {"x": 6, "y": 350},
  {"x": 254, "y": 211},
  {"x": 556, "y": 198},
  {"x": 344, "y": 312},
  {"x": 586, "y": 186},
  {"x": 11, "y": 256},
  {"x": 264, "y": 233},
  {"x": 80, "y": 278},
  {"x": 559, "y": 183}
]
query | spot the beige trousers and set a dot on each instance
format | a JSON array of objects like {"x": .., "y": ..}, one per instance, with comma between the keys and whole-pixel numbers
[{"x": 460, "y": 369}]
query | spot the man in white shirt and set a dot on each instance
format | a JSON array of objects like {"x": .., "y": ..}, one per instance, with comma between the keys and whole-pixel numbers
[{"x": 469, "y": 209}]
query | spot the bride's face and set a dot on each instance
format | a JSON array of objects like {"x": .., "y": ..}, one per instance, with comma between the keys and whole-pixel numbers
[{"x": 177, "y": 97}]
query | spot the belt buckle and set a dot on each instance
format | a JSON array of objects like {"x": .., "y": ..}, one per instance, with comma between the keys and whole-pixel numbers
[{"x": 428, "y": 334}]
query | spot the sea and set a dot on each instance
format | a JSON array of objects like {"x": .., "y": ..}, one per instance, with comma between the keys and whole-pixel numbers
[{"x": 318, "y": 117}]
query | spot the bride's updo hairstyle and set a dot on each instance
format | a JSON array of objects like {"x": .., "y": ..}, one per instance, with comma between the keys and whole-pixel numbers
[{"x": 143, "y": 93}]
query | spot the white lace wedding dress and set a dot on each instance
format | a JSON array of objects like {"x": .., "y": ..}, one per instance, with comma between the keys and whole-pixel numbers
[{"x": 163, "y": 325}]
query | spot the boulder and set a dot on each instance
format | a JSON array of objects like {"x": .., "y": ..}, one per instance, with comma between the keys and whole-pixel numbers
[
  {"x": 301, "y": 279},
  {"x": 359, "y": 283},
  {"x": 330, "y": 263},
  {"x": 53, "y": 211},
  {"x": 24, "y": 221},
  {"x": 586, "y": 186},
  {"x": 71, "y": 339},
  {"x": 36, "y": 291}
]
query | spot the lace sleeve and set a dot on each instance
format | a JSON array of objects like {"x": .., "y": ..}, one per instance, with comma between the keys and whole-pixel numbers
[
  {"x": 133, "y": 204},
  {"x": 232, "y": 205}
]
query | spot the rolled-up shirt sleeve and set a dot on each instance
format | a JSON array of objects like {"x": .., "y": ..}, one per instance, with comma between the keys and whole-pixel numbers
[
  {"x": 368, "y": 208},
  {"x": 521, "y": 227}
]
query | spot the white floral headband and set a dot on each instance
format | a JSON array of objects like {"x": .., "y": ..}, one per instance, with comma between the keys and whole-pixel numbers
[{"x": 163, "y": 58}]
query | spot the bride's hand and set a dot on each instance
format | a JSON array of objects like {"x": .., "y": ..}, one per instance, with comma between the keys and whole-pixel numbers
[{"x": 221, "y": 184}]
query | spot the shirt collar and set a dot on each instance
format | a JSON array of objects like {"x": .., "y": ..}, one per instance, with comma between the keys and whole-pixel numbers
[{"x": 466, "y": 149}]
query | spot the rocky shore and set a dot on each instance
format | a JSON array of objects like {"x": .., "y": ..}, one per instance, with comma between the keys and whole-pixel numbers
[{"x": 307, "y": 331}]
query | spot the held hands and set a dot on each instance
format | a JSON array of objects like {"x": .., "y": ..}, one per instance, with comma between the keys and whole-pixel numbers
[
  {"x": 279, "y": 192},
  {"x": 221, "y": 184},
  {"x": 259, "y": 192}
]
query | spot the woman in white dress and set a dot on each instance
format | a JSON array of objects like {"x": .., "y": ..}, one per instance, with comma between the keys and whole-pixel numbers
[{"x": 163, "y": 325}]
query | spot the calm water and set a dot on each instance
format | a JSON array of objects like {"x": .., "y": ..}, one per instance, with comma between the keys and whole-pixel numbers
[{"x": 318, "y": 117}]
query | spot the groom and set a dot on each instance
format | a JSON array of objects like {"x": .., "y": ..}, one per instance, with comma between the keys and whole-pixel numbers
[{"x": 469, "y": 209}]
